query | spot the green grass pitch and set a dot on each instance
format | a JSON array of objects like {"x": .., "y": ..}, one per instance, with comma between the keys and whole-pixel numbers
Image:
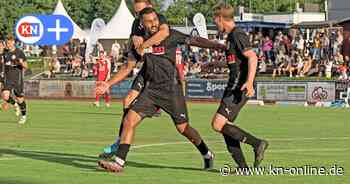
[{"x": 61, "y": 141}]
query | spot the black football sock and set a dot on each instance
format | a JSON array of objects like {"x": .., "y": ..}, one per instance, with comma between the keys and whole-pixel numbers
[
  {"x": 203, "y": 148},
  {"x": 234, "y": 147},
  {"x": 23, "y": 107},
  {"x": 240, "y": 135},
  {"x": 122, "y": 154},
  {"x": 192, "y": 135},
  {"x": 125, "y": 112},
  {"x": 11, "y": 101}
]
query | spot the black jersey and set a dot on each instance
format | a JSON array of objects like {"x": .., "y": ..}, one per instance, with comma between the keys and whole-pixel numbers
[
  {"x": 13, "y": 68},
  {"x": 160, "y": 61},
  {"x": 238, "y": 43}
]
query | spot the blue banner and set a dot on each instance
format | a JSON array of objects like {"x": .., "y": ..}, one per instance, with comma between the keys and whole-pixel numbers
[
  {"x": 121, "y": 90},
  {"x": 206, "y": 89}
]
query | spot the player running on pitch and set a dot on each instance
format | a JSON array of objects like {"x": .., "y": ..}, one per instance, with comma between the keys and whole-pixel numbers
[
  {"x": 15, "y": 64},
  {"x": 163, "y": 89},
  {"x": 137, "y": 37},
  {"x": 242, "y": 63}
]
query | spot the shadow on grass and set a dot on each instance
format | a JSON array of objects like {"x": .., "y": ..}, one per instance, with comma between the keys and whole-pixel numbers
[
  {"x": 74, "y": 160},
  {"x": 86, "y": 162},
  {"x": 16, "y": 181},
  {"x": 154, "y": 166}
]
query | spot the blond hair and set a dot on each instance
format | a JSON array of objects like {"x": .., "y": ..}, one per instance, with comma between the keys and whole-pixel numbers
[{"x": 224, "y": 10}]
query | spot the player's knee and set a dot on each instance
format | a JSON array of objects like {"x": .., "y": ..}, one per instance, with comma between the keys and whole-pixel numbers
[
  {"x": 217, "y": 125},
  {"x": 128, "y": 124},
  {"x": 181, "y": 128},
  {"x": 218, "y": 122}
]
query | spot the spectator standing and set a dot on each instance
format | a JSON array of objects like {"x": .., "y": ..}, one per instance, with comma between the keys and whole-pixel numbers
[{"x": 103, "y": 73}]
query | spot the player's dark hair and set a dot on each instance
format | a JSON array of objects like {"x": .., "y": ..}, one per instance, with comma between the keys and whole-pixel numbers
[{"x": 147, "y": 10}]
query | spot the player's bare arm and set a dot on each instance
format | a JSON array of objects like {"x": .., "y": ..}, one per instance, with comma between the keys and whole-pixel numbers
[
  {"x": 205, "y": 43},
  {"x": 252, "y": 65},
  {"x": 137, "y": 41},
  {"x": 124, "y": 71},
  {"x": 158, "y": 37}
]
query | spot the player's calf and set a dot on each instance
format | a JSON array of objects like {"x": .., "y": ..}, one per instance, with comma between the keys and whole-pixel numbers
[
  {"x": 111, "y": 150},
  {"x": 192, "y": 135},
  {"x": 130, "y": 122}
]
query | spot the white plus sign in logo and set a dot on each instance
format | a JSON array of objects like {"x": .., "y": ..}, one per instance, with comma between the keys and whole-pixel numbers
[{"x": 58, "y": 29}]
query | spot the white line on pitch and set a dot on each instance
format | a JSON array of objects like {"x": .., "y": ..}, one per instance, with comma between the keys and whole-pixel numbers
[
  {"x": 271, "y": 151},
  {"x": 11, "y": 158},
  {"x": 270, "y": 139}
]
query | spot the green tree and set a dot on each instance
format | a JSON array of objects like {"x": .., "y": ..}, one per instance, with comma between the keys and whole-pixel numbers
[
  {"x": 11, "y": 11},
  {"x": 177, "y": 12}
]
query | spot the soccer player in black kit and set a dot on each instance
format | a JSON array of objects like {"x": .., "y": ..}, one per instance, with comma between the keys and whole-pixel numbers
[
  {"x": 14, "y": 64},
  {"x": 137, "y": 41},
  {"x": 242, "y": 63},
  {"x": 162, "y": 89}
]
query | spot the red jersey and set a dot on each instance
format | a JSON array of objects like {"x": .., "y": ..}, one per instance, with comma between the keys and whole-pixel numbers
[
  {"x": 102, "y": 70},
  {"x": 179, "y": 64}
]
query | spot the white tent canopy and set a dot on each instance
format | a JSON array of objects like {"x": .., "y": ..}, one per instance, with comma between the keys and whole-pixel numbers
[
  {"x": 119, "y": 27},
  {"x": 78, "y": 32}
]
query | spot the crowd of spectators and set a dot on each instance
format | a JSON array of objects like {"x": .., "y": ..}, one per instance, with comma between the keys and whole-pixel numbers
[
  {"x": 300, "y": 57},
  {"x": 279, "y": 54}
]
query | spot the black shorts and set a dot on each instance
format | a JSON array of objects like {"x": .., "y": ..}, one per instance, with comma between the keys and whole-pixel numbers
[
  {"x": 232, "y": 103},
  {"x": 15, "y": 86},
  {"x": 171, "y": 101},
  {"x": 139, "y": 83}
]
